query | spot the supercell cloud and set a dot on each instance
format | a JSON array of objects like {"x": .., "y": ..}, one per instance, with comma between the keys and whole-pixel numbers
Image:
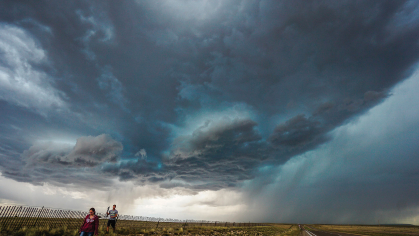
[{"x": 253, "y": 97}]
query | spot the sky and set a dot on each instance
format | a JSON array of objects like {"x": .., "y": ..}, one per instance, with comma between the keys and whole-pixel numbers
[{"x": 262, "y": 111}]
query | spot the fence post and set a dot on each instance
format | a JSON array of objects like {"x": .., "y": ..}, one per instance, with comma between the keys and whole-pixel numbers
[
  {"x": 74, "y": 219},
  {"x": 44, "y": 217},
  {"x": 24, "y": 217},
  {"x": 6, "y": 214},
  {"x": 55, "y": 219},
  {"x": 3, "y": 214},
  {"x": 33, "y": 214},
  {"x": 80, "y": 217},
  {"x": 51, "y": 214},
  {"x": 64, "y": 214},
  {"x": 27, "y": 217},
  {"x": 9, "y": 215},
  {"x": 2, "y": 209},
  {"x": 157, "y": 224},
  {"x": 61, "y": 218},
  {"x": 15, "y": 217},
  {"x": 36, "y": 221},
  {"x": 12, "y": 218}
]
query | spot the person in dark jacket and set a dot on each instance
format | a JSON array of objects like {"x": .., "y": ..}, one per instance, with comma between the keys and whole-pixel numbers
[{"x": 90, "y": 224}]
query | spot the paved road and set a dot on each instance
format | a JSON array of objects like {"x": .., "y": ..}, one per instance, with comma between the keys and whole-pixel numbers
[{"x": 315, "y": 232}]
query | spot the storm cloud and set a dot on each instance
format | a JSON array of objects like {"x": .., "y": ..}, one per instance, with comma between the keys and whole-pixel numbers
[
  {"x": 88, "y": 151},
  {"x": 199, "y": 95}
]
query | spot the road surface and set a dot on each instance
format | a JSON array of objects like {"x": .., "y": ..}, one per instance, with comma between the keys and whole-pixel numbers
[{"x": 307, "y": 231}]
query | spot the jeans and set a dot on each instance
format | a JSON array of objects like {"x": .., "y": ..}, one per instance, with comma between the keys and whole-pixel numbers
[{"x": 86, "y": 233}]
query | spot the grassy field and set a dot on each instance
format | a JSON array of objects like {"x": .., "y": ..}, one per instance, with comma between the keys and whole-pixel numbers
[
  {"x": 13, "y": 223},
  {"x": 272, "y": 229},
  {"x": 36, "y": 221},
  {"x": 373, "y": 230}
]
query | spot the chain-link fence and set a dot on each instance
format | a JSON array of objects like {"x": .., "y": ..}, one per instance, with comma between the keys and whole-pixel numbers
[{"x": 16, "y": 217}]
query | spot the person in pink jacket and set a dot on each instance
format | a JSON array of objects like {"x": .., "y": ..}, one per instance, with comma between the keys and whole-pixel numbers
[{"x": 90, "y": 224}]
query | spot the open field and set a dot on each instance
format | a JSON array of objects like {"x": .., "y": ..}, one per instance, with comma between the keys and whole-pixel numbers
[
  {"x": 373, "y": 230},
  {"x": 22, "y": 220},
  {"x": 16, "y": 223},
  {"x": 271, "y": 229},
  {"x": 36, "y": 221}
]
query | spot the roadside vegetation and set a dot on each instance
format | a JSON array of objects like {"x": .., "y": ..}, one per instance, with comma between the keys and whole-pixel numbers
[
  {"x": 272, "y": 229},
  {"x": 372, "y": 230}
]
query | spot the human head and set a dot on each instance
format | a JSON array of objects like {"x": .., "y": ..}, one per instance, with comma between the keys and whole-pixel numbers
[
  {"x": 92, "y": 211},
  {"x": 114, "y": 206}
]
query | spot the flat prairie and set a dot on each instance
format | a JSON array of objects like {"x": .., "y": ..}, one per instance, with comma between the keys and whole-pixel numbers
[
  {"x": 131, "y": 230},
  {"x": 373, "y": 230}
]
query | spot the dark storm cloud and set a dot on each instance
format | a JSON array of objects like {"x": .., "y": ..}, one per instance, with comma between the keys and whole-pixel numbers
[
  {"x": 96, "y": 149},
  {"x": 215, "y": 156},
  {"x": 143, "y": 72},
  {"x": 301, "y": 133},
  {"x": 89, "y": 151},
  {"x": 296, "y": 132},
  {"x": 62, "y": 163},
  {"x": 223, "y": 153},
  {"x": 367, "y": 172}
]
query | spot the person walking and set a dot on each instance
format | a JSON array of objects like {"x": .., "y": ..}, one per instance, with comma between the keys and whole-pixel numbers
[
  {"x": 90, "y": 224},
  {"x": 112, "y": 218}
]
